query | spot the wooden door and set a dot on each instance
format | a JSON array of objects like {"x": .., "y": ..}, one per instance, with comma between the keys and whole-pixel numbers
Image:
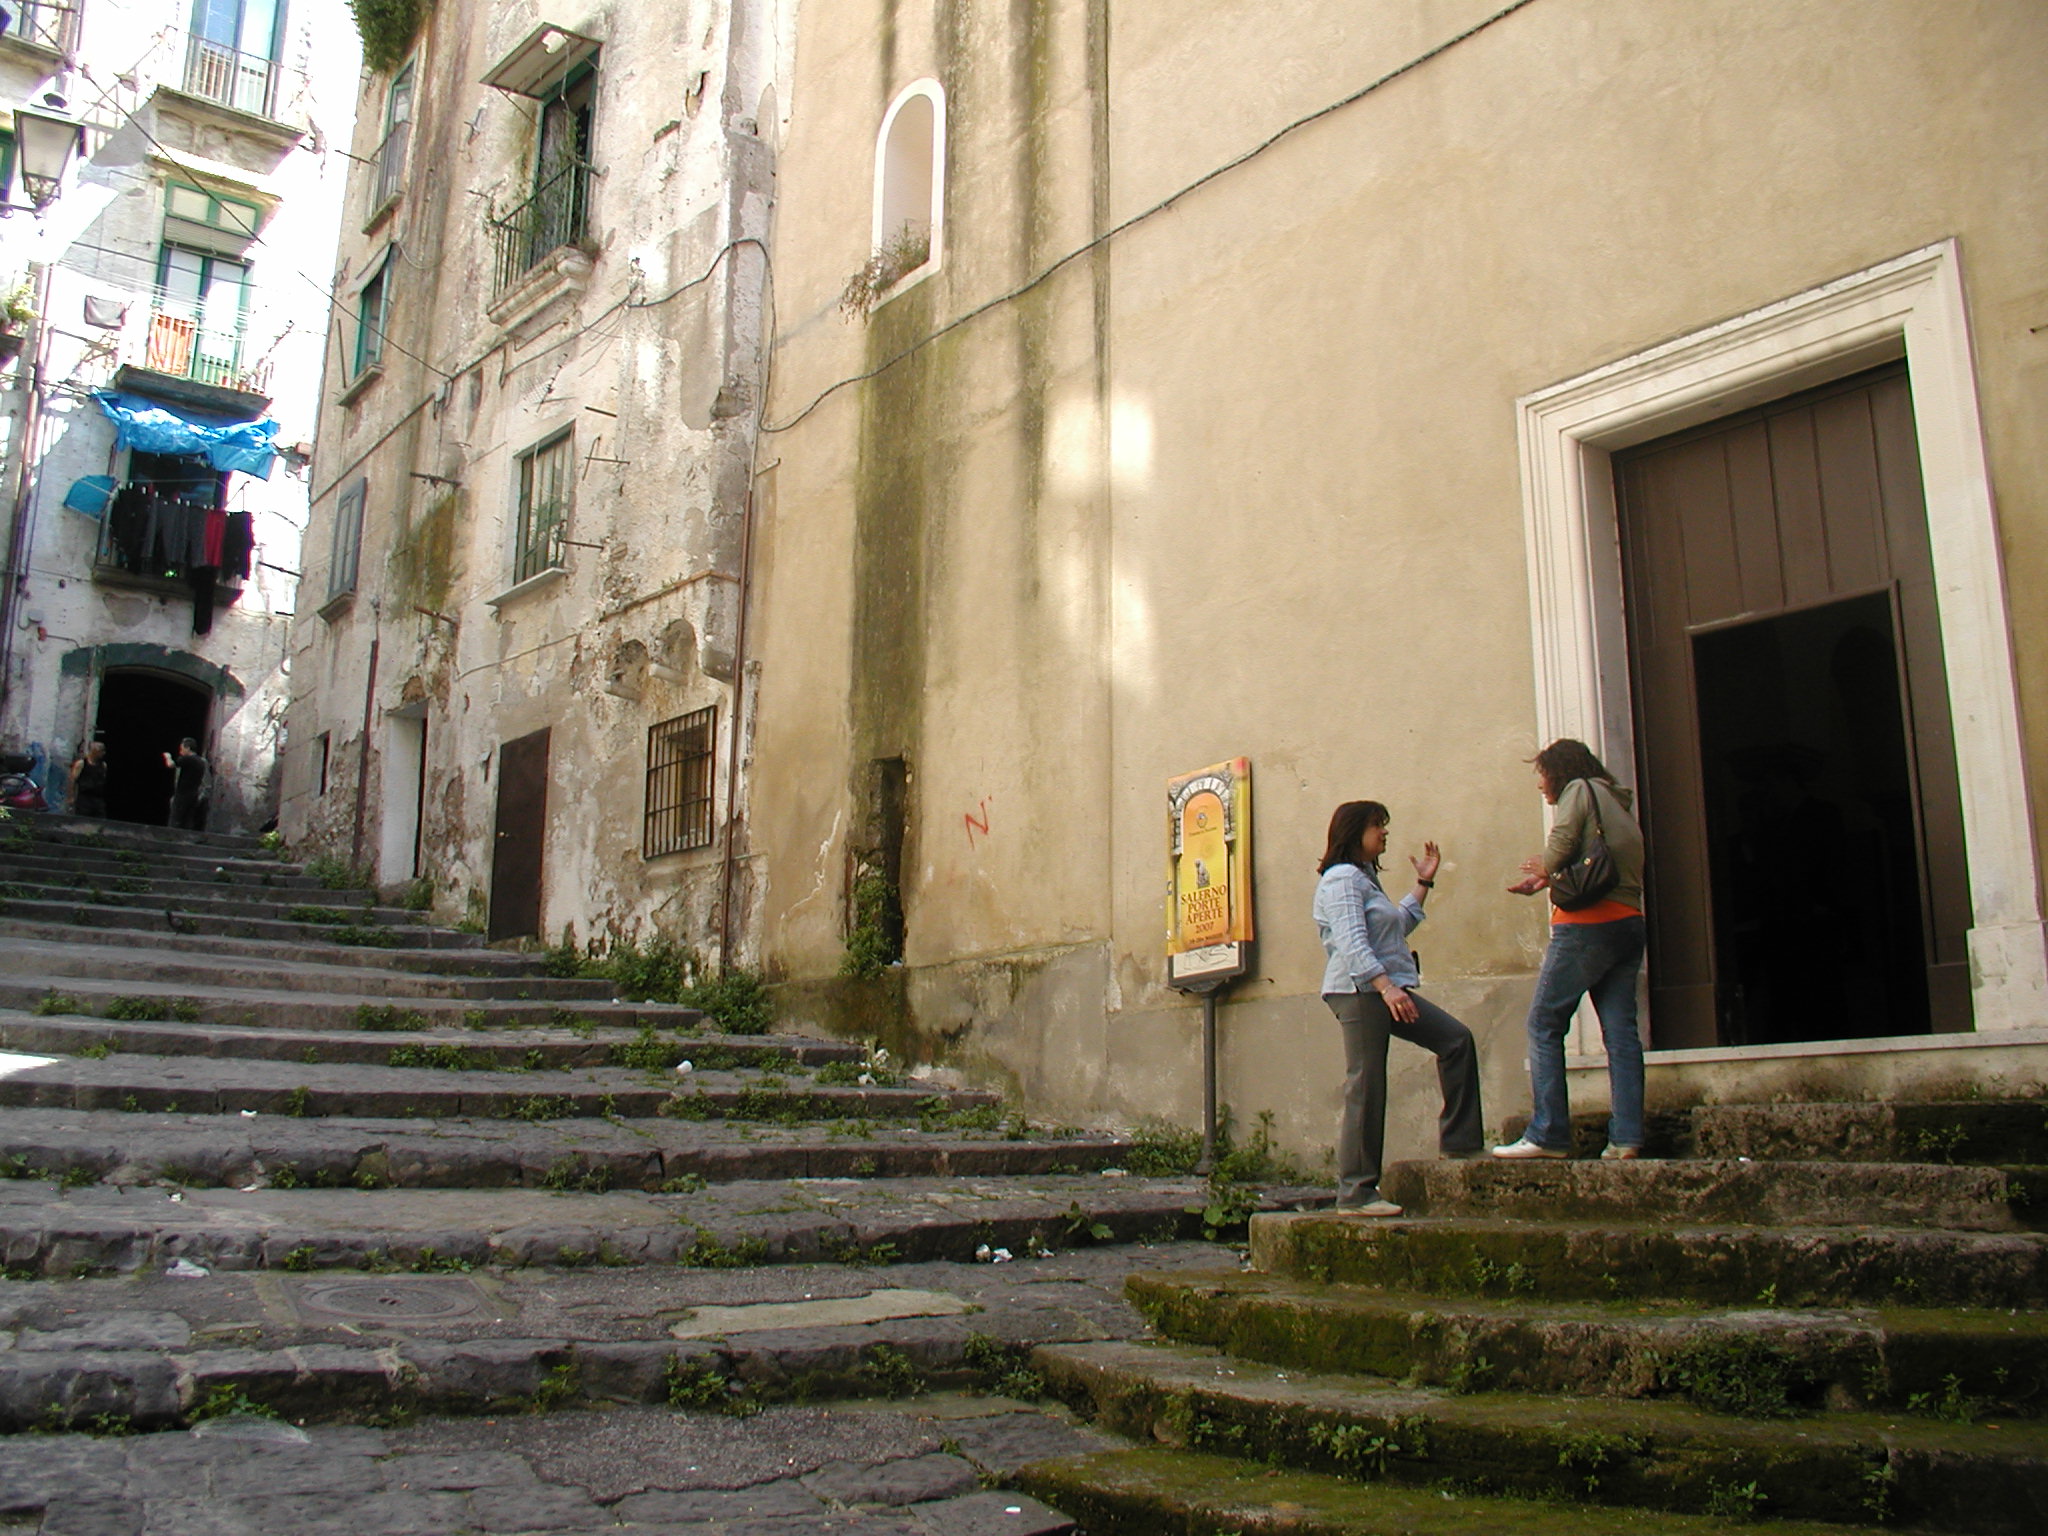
[
  {"x": 1806, "y": 870},
  {"x": 521, "y": 834}
]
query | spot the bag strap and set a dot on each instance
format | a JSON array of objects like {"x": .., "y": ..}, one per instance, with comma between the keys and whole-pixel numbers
[{"x": 1593, "y": 790}]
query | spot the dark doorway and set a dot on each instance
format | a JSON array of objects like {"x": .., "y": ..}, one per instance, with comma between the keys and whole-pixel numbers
[
  {"x": 142, "y": 715},
  {"x": 1806, "y": 875},
  {"x": 521, "y": 835}
]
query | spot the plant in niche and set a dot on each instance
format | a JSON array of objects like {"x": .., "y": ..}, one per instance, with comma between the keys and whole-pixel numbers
[
  {"x": 899, "y": 255},
  {"x": 388, "y": 28},
  {"x": 870, "y": 946}
]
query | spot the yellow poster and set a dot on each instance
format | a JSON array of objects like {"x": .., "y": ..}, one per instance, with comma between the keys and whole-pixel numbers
[{"x": 1209, "y": 873}]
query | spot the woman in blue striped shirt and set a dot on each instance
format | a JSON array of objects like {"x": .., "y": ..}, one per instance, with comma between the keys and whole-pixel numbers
[{"x": 1369, "y": 983}]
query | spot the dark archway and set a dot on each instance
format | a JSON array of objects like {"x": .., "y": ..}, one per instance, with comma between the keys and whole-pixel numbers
[{"x": 142, "y": 715}]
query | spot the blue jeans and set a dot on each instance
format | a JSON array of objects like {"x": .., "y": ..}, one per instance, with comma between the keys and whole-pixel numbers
[{"x": 1600, "y": 960}]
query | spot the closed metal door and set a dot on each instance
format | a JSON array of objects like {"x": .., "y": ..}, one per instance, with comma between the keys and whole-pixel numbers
[
  {"x": 1806, "y": 871},
  {"x": 521, "y": 836}
]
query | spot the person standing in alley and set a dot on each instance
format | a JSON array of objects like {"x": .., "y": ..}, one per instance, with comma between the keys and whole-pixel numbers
[
  {"x": 188, "y": 790},
  {"x": 88, "y": 783}
]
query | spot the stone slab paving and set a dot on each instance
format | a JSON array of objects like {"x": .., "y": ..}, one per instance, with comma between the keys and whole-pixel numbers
[{"x": 161, "y": 971}]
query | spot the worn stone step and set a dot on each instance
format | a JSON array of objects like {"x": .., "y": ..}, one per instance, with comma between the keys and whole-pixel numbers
[
  {"x": 228, "y": 1085},
  {"x": 151, "y": 969},
  {"x": 101, "y": 1229},
  {"x": 71, "y": 1147},
  {"x": 503, "y": 1049},
  {"x": 151, "y": 1349},
  {"x": 1999, "y": 1131},
  {"x": 1989, "y": 1363},
  {"x": 73, "y": 868},
  {"x": 38, "y": 919},
  {"x": 206, "y": 902},
  {"x": 274, "y": 1008},
  {"x": 1159, "y": 1492},
  {"x": 292, "y": 948},
  {"x": 1725, "y": 1190},
  {"x": 61, "y": 828},
  {"x": 1992, "y": 1481},
  {"x": 1719, "y": 1265}
]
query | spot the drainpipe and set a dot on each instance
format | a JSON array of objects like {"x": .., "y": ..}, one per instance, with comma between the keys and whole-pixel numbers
[
  {"x": 732, "y": 765},
  {"x": 355, "y": 856},
  {"x": 18, "y": 522}
]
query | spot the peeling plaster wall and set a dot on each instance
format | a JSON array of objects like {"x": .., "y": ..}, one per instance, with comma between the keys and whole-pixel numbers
[
  {"x": 1246, "y": 479},
  {"x": 648, "y": 353}
]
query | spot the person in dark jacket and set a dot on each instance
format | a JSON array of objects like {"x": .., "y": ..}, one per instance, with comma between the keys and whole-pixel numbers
[
  {"x": 88, "y": 782},
  {"x": 189, "y": 789}
]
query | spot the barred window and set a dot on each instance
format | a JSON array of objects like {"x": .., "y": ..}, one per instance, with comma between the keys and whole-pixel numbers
[
  {"x": 547, "y": 477},
  {"x": 679, "y": 754}
]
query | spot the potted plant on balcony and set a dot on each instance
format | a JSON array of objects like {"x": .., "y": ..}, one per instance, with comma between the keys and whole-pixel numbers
[{"x": 16, "y": 311}]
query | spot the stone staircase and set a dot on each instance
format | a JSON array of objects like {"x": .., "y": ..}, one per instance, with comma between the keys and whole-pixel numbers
[
  {"x": 273, "y": 1147},
  {"x": 1822, "y": 1316}
]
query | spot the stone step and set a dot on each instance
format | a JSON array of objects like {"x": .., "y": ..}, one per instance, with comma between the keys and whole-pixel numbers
[
  {"x": 1979, "y": 1478},
  {"x": 290, "y": 948},
  {"x": 100, "y": 1229},
  {"x": 273, "y": 1008},
  {"x": 61, "y": 828},
  {"x": 1154, "y": 1490},
  {"x": 1724, "y": 1265},
  {"x": 73, "y": 867},
  {"x": 302, "y": 1090},
  {"x": 46, "y": 919},
  {"x": 223, "y": 901},
  {"x": 151, "y": 1349},
  {"x": 1731, "y": 1190},
  {"x": 149, "y": 969},
  {"x": 1952, "y": 1132},
  {"x": 1751, "y": 1361},
  {"x": 504, "y": 1050},
  {"x": 74, "y": 1147}
]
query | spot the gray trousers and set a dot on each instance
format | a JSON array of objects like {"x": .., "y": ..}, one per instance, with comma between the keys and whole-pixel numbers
[{"x": 1362, "y": 1130}]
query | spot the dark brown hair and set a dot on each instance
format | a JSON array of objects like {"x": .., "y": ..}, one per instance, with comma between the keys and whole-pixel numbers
[
  {"x": 1564, "y": 760},
  {"x": 1348, "y": 824}
]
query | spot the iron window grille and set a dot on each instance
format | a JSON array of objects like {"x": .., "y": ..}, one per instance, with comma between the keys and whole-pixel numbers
[
  {"x": 679, "y": 770},
  {"x": 389, "y": 180},
  {"x": 547, "y": 478}
]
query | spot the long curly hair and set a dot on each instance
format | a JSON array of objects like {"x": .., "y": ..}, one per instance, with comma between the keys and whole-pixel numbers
[
  {"x": 1564, "y": 760},
  {"x": 1348, "y": 824}
]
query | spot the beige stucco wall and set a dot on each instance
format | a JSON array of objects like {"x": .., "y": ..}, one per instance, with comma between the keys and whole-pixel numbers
[{"x": 1245, "y": 480}]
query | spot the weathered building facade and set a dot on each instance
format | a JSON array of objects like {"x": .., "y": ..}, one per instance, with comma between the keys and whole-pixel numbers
[
  {"x": 171, "y": 286},
  {"x": 1377, "y": 392},
  {"x": 516, "y": 670}
]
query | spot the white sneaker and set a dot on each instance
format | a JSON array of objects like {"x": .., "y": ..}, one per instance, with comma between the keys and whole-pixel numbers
[
  {"x": 1612, "y": 1154},
  {"x": 1372, "y": 1208},
  {"x": 1527, "y": 1148}
]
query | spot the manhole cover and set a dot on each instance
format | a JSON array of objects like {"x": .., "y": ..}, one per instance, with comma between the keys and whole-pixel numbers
[{"x": 394, "y": 1301}]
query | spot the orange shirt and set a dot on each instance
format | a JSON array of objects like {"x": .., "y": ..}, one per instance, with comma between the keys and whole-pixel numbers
[{"x": 1600, "y": 912}]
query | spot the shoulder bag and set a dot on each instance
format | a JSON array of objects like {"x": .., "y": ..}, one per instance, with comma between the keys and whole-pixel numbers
[{"x": 1592, "y": 872}]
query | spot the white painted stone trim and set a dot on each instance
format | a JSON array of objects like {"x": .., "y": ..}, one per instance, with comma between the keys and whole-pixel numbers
[{"x": 1569, "y": 431}]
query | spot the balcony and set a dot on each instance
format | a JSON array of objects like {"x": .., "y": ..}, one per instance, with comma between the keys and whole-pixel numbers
[
  {"x": 389, "y": 180},
  {"x": 246, "y": 82},
  {"x": 555, "y": 216},
  {"x": 49, "y": 24}
]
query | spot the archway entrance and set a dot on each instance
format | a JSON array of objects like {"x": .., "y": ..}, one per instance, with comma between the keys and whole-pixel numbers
[{"x": 142, "y": 715}]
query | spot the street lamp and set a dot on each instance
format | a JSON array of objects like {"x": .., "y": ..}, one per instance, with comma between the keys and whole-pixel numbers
[{"x": 44, "y": 144}]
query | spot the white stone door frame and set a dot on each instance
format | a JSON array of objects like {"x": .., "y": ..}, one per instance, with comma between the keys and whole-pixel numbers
[{"x": 1912, "y": 306}]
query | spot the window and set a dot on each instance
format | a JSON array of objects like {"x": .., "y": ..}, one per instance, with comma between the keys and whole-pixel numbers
[
  {"x": 557, "y": 211},
  {"x": 348, "y": 540},
  {"x": 200, "y": 316},
  {"x": 230, "y": 56},
  {"x": 326, "y": 746},
  {"x": 679, "y": 757},
  {"x": 6, "y": 164},
  {"x": 547, "y": 478},
  {"x": 910, "y": 173},
  {"x": 233, "y": 217},
  {"x": 390, "y": 178},
  {"x": 373, "y": 312},
  {"x": 45, "y": 23}
]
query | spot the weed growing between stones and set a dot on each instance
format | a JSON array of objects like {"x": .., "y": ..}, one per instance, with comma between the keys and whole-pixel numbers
[
  {"x": 1002, "y": 1368},
  {"x": 559, "y": 1385},
  {"x": 568, "y": 1174},
  {"x": 684, "y": 1184},
  {"x": 224, "y": 1399},
  {"x": 1737, "y": 1375},
  {"x": 443, "y": 1057},
  {"x": 130, "y": 1010},
  {"x": 55, "y": 1003},
  {"x": 418, "y": 896},
  {"x": 130, "y": 1104},
  {"x": 694, "y": 1384},
  {"x": 645, "y": 1052},
  {"x": 1470, "y": 1375},
  {"x": 1735, "y": 1501},
  {"x": 1362, "y": 1452},
  {"x": 854, "y": 1255},
  {"x": 1082, "y": 1229},
  {"x": 891, "y": 1372},
  {"x": 298, "y": 1260},
  {"x": 296, "y": 1101},
  {"x": 1512, "y": 1279},
  {"x": 359, "y": 936},
  {"x": 316, "y": 915},
  {"x": 475, "y": 1018},
  {"x": 707, "y": 1252},
  {"x": 339, "y": 875},
  {"x": 543, "y": 1106},
  {"x": 864, "y": 1167},
  {"x": 1592, "y": 1454},
  {"x": 1880, "y": 1485},
  {"x": 1940, "y": 1143},
  {"x": 429, "y": 1261},
  {"x": 1951, "y": 1403},
  {"x": 99, "y": 1050},
  {"x": 389, "y": 1018}
]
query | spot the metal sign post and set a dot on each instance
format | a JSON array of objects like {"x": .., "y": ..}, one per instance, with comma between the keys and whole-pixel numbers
[{"x": 1209, "y": 902}]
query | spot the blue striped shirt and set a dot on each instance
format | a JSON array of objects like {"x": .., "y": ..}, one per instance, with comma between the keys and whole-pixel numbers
[{"x": 1365, "y": 931}]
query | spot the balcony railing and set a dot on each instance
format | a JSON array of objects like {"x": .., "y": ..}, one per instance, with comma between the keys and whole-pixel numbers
[
  {"x": 390, "y": 165},
  {"x": 46, "y": 23},
  {"x": 553, "y": 217},
  {"x": 244, "y": 81},
  {"x": 187, "y": 343}
]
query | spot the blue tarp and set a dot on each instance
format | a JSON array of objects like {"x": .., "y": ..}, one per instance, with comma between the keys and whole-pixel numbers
[{"x": 249, "y": 446}]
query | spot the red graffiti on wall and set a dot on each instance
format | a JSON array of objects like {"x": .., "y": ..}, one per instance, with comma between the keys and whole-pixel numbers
[{"x": 973, "y": 825}]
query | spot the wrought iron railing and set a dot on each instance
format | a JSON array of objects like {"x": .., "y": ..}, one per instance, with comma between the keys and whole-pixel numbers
[
  {"x": 46, "y": 23},
  {"x": 390, "y": 165},
  {"x": 553, "y": 217},
  {"x": 244, "y": 81},
  {"x": 185, "y": 341}
]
